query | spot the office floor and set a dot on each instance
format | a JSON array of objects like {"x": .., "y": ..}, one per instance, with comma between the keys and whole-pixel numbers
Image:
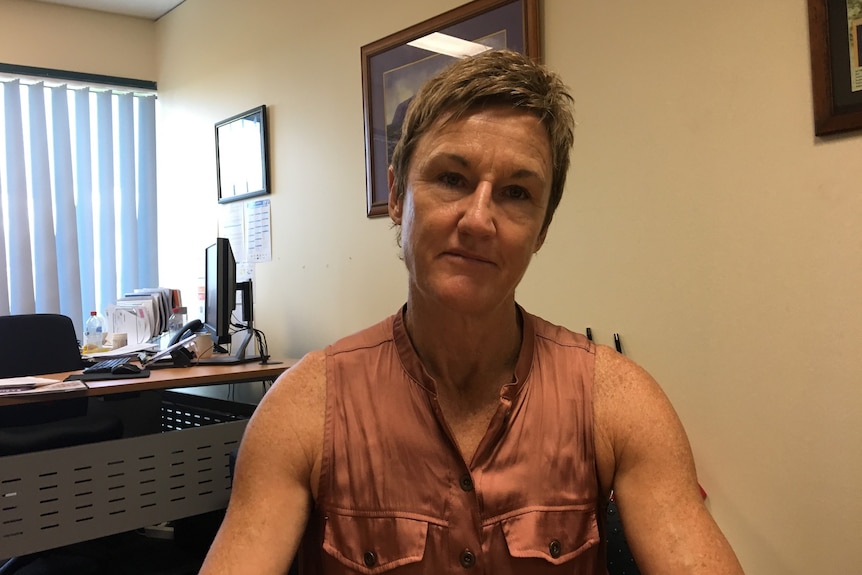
[{"x": 131, "y": 553}]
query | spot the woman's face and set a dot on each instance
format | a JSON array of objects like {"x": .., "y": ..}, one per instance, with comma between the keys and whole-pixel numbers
[{"x": 471, "y": 216}]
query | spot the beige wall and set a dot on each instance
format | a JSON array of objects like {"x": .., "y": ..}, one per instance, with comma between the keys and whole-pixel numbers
[
  {"x": 36, "y": 34},
  {"x": 703, "y": 222}
]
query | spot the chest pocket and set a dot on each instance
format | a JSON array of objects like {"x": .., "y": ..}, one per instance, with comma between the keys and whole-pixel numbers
[
  {"x": 374, "y": 544},
  {"x": 556, "y": 536}
]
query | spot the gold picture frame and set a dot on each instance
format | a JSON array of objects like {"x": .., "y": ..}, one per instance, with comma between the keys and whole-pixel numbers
[{"x": 393, "y": 70}]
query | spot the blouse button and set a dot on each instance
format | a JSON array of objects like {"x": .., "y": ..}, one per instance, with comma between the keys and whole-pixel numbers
[
  {"x": 466, "y": 482},
  {"x": 369, "y": 558},
  {"x": 467, "y": 559},
  {"x": 555, "y": 548}
]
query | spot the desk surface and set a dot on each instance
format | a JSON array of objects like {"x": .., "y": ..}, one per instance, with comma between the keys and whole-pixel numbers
[{"x": 160, "y": 378}]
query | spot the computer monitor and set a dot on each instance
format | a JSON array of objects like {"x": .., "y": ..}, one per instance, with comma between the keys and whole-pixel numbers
[
  {"x": 220, "y": 278},
  {"x": 220, "y": 292}
]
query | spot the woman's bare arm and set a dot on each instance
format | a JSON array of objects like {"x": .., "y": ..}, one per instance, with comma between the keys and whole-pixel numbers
[
  {"x": 276, "y": 476},
  {"x": 644, "y": 454}
]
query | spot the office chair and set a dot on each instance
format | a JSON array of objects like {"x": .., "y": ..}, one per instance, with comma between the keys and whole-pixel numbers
[
  {"x": 619, "y": 557},
  {"x": 38, "y": 344}
]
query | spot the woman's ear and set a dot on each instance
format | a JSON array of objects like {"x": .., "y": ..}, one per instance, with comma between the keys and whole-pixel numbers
[
  {"x": 540, "y": 241},
  {"x": 396, "y": 201}
]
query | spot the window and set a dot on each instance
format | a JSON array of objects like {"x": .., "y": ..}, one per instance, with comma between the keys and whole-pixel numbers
[{"x": 77, "y": 196}]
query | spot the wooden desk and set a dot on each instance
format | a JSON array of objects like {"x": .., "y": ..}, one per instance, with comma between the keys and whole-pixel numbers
[
  {"x": 160, "y": 378},
  {"x": 58, "y": 497}
]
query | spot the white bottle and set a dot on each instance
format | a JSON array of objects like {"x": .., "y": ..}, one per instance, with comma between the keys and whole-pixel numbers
[{"x": 93, "y": 332}]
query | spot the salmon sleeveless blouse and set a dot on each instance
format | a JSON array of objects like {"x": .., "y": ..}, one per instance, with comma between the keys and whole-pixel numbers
[{"x": 396, "y": 495}]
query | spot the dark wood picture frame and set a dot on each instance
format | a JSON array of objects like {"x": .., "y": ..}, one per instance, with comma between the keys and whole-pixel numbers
[
  {"x": 837, "y": 107},
  {"x": 242, "y": 157},
  {"x": 391, "y": 63}
]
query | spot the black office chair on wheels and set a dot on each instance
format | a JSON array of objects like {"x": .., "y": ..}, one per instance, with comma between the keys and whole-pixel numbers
[{"x": 38, "y": 344}]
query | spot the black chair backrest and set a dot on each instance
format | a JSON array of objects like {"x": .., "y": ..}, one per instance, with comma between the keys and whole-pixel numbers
[
  {"x": 619, "y": 557},
  {"x": 36, "y": 344}
]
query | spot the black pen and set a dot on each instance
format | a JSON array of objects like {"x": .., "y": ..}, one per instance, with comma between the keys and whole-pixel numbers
[
  {"x": 589, "y": 334},
  {"x": 617, "y": 343}
]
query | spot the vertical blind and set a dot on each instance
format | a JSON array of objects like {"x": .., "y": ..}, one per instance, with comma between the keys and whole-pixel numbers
[{"x": 77, "y": 198}]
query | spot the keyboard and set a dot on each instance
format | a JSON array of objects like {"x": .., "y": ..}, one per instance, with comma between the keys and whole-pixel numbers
[{"x": 108, "y": 365}]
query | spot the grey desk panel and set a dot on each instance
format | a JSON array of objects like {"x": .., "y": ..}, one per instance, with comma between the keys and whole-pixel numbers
[{"x": 58, "y": 497}]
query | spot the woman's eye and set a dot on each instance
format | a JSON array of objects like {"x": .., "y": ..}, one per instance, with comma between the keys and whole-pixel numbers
[
  {"x": 451, "y": 179},
  {"x": 517, "y": 193}
]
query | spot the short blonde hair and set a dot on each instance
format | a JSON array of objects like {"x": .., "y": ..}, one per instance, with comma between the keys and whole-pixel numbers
[{"x": 492, "y": 78}]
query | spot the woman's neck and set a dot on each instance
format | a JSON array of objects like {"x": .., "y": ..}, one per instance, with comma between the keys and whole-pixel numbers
[{"x": 465, "y": 351}]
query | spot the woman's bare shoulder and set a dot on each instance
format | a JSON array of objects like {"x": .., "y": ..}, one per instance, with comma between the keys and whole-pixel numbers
[
  {"x": 628, "y": 404},
  {"x": 298, "y": 396},
  {"x": 288, "y": 423},
  {"x": 303, "y": 386}
]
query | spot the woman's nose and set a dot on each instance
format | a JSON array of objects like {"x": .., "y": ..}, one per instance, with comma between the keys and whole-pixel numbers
[{"x": 478, "y": 216}]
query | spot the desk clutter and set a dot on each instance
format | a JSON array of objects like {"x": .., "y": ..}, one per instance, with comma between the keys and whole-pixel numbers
[
  {"x": 114, "y": 368},
  {"x": 132, "y": 328},
  {"x": 140, "y": 315},
  {"x": 37, "y": 385}
]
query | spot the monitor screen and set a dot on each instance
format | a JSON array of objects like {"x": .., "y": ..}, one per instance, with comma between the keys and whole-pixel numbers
[{"x": 221, "y": 286}]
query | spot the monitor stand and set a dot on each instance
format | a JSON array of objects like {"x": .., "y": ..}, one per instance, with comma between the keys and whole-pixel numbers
[{"x": 232, "y": 358}]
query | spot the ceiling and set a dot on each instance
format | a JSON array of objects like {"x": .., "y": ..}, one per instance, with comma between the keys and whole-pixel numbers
[{"x": 149, "y": 9}]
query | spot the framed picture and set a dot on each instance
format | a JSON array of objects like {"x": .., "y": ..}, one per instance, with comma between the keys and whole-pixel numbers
[
  {"x": 835, "y": 30},
  {"x": 395, "y": 67},
  {"x": 241, "y": 156}
]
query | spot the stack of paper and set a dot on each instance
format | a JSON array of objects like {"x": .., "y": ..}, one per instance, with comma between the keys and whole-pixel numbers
[
  {"x": 142, "y": 314},
  {"x": 29, "y": 385},
  {"x": 132, "y": 349}
]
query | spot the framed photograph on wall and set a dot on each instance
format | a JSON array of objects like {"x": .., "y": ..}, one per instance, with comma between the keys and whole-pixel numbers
[
  {"x": 394, "y": 68},
  {"x": 242, "y": 162},
  {"x": 835, "y": 31}
]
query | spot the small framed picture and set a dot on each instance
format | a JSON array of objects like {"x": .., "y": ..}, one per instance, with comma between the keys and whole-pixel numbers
[
  {"x": 241, "y": 156},
  {"x": 395, "y": 67}
]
